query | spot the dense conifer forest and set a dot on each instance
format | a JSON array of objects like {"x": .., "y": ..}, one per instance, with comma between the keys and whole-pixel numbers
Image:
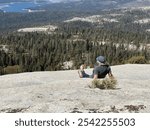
[{"x": 27, "y": 52}]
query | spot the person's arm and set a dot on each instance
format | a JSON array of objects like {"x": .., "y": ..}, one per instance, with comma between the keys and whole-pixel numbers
[
  {"x": 95, "y": 73},
  {"x": 95, "y": 76},
  {"x": 110, "y": 74}
]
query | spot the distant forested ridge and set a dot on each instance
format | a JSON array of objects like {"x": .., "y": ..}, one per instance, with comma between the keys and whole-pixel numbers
[
  {"x": 127, "y": 20},
  {"x": 12, "y": 21}
]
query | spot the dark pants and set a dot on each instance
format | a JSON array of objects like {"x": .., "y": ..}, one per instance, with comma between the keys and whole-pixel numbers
[{"x": 85, "y": 75}]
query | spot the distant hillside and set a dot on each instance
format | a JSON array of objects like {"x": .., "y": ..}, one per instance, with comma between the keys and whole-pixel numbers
[
  {"x": 128, "y": 13},
  {"x": 88, "y": 4},
  {"x": 94, "y": 5}
]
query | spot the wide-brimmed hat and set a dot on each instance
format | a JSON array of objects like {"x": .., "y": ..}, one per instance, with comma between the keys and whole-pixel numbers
[{"x": 101, "y": 59}]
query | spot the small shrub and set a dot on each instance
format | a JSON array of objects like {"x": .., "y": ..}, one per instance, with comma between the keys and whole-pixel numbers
[
  {"x": 104, "y": 83},
  {"x": 12, "y": 69},
  {"x": 1, "y": 70},
  {"x": 137, "y": 60}
]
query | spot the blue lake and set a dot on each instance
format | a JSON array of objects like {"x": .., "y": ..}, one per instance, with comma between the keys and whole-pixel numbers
[{"x": 19, "y": 6}]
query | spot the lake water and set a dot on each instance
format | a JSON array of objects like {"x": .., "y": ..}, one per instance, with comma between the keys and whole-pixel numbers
[{"x": 18, "y": 6}]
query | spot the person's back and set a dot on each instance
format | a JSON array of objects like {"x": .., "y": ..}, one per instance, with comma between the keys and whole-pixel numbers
[{"x": 101, "y": 71}]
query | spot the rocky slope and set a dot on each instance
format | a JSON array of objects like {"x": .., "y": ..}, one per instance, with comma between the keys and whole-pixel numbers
[{"x": 64, "y": 91}]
